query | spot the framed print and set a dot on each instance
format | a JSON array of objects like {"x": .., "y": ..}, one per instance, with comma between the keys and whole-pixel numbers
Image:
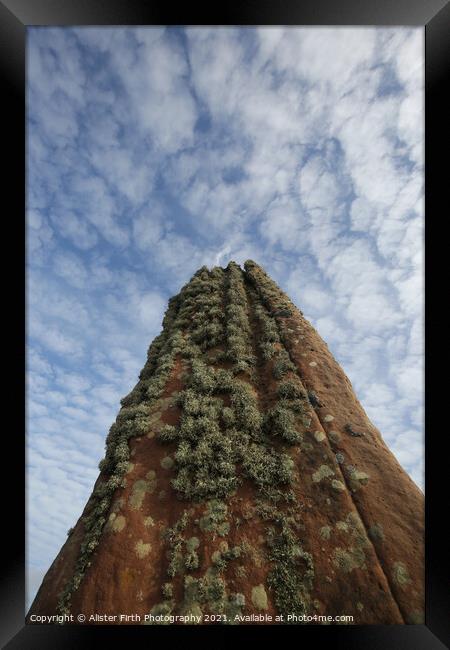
[{"x": 227, "y": 429}]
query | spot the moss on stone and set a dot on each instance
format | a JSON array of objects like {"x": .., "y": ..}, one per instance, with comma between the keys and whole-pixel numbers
[
  {"x": 282, "y": 365},
  {"x": 289, "y": 390},
  {"x": 215, "y": 518},
  {"x": 168, "y": 433},
  {"x": 192, "y": 543},
  {"x": 163, "y": 609},
  {"x": 280, "y": 421},
  {"x": 348, "y": 559},
  {"x": 191, "y": 560},
  {"x": 240, "y": 571},
  {"x": 292, "y": 572},
  {"x": 267, "y": 468}
]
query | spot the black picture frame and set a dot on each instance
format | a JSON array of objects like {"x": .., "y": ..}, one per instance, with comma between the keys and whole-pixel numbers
[{"x": 15, "y": 17}]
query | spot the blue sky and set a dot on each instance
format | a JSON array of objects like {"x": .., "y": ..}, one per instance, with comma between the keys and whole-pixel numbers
[{"x": 154, "y": 151}]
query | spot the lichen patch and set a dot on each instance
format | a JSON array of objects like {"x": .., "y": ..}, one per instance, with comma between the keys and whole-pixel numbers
[
  {"x": 321, "y": 473},
  {"x": 167, "y": 462},
  {"x": 192, "y": 544},
  {"x": 259, "y": 597},
  {"x": 325, "y": 532},
  {"x": 116, "y": 523},
  {"x": 142, "y": 549},
  {"x": 358, "y": 478},
  {"x": 348, "y": 559},
  {"x": 334, "y": 436},
  {"x": 400, "y": 574},
  {"x": 140, "y": 488}
]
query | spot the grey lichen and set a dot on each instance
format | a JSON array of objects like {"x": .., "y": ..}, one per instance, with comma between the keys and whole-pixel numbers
[
  {"x": 334, "y": 436},
  {"x": 259, "y": 597},
  {"x": 338, "y": 486},
  {"x": 167, "y": 462},
  {"x": 323, "y": 472},
  {"x": 400, "y": 574},
  {"x": 140, "y": 488},
  {"x": 348, "y": 559},
  {"x": 142, "y": 549}
]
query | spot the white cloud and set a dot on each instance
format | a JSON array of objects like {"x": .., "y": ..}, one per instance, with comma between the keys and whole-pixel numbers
[
  {"x": 34, "y": 576},
  {"x": 150, "y": 155},
  {"x": 318, "y": 187},
  {"x": 151, "y": 310},
  {"x": 148, "y": 228},
  {"x": 75, "y": 229},
  {"x": 40, "y": 239},
  {"x": 98, "y": 206},
  {"x": 71, "y": 268},
  {"x": 56, "y": 339}
]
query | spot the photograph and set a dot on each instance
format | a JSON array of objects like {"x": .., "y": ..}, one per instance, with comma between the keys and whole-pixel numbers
[{"x": 225, "y": 325}]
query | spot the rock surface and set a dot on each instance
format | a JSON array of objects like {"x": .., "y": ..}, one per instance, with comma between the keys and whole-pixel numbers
[{"x": 255, "y": 499}]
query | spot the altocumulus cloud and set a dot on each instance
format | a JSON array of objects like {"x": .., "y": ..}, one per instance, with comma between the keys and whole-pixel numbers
[{"x": 153, "y": 151}]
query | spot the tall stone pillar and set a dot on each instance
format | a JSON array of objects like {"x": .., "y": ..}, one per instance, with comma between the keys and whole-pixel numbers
[{"x": 242, "y": 481}]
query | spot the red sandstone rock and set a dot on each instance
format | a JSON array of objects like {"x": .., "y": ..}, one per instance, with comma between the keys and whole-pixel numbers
[{"x": 356, "y": 518}]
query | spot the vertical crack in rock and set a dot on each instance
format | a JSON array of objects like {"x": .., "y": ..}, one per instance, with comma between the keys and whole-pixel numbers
[
  {"x": 325, "y": 470},
  {"x": 283, "y": 309}
]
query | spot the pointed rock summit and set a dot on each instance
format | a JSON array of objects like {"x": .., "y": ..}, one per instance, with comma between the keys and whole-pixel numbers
[{"x": 242, "y": 481}]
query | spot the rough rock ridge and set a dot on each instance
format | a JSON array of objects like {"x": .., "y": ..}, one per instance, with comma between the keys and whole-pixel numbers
[{"x": 242, "y": 480}]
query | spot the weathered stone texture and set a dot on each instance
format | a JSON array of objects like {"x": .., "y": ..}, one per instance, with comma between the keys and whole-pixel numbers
[{"x": 242, "y": 477}]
